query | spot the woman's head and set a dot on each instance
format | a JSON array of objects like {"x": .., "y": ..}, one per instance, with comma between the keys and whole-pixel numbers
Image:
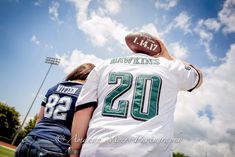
[{"x": 80, "y": 73}]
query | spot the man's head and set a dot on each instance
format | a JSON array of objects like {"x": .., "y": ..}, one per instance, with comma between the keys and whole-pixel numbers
[
  {"x": 80, "y": 73},
  {"x": 143, "y": 43}
]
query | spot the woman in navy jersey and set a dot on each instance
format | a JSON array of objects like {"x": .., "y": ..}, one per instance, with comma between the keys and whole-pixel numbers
[{"x": 51, "y": 135}]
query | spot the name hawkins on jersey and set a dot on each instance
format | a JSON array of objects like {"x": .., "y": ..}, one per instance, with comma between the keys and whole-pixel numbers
[{"x": 134, "y": 60}]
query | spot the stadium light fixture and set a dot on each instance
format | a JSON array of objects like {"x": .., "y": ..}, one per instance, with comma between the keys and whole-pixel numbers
[{"x": 51, "y": 61}]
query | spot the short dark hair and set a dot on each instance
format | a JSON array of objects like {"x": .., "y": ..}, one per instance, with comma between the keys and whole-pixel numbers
[{"x": 81, "y": 72}]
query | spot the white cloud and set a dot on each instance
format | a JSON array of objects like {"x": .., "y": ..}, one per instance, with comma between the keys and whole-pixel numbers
[
  {"x": 109, "y": 49},
  {"x": 167, "y": 4},
  {"x": 227, "y": 16},
  {"x": 112, "y": 6},
  {"x": 210, "y": 55},
  {"x": 76, "y": 58},
  {"x": 103, "y": 30},
  {"x": 204, "y": 34},
  {"x": 212, "y": 24},
  {"x": 35, "y": 40},
  {"x": 178, "y": 50},
  {"x": 151, "y": 29},
  {"x": 203, "y": 29},
  {"x": 54, "y": 12},
  {"x": 38, "y": 3},
  {"x": 182, "y": 21},
  {"x": 206, "y": 27},
  {"x": 199, "y": 133},
  {"x": 81, "y": 7},
  {"x": 225, "y": 71},
  {"x": 205, "y": 38},
  {"x": 99, "y": 28},
  {"x": 202, "y": 148}
]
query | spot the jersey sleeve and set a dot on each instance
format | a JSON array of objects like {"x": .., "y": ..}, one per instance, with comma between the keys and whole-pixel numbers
[
  {"x": 44, "y": 100},
  {"x": 49, "y": 92},
  {"x": 187, "y": 76},
  {"x": 89, "y": 96}
]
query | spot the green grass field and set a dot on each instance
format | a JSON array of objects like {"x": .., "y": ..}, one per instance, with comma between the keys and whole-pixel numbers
[{"x": 5, "y": 152}]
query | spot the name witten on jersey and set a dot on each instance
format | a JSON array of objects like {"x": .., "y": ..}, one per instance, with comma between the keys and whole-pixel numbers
[{"x": 66, "y": 89}]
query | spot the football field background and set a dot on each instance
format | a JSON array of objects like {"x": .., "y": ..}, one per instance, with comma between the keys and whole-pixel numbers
[{"x": 6, "y": 151}]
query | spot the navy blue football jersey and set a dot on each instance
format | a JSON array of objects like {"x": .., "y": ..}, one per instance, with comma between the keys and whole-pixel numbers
[{"x": 59, "y": 103}]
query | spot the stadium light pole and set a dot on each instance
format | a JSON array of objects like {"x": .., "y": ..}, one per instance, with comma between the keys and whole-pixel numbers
[{"x": 52, "y": 61}]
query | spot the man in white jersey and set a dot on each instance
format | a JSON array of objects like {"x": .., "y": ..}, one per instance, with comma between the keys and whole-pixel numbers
[{"x": 128, "y": 104}]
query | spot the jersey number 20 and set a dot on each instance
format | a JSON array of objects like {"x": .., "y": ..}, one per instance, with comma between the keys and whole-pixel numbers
[{"x": 146, "y": 92}]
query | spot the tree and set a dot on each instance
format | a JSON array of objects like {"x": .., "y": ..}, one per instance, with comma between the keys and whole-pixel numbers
[
  {"x": 27, "y": 129},
  {"x": 9, "y": 122},
  {"x": 30, "y": 125},
  {"x": 179, "y": 155}
]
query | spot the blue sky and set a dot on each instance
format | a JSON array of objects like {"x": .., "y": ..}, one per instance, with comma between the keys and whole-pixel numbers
[{"x": 200, "y": 32}]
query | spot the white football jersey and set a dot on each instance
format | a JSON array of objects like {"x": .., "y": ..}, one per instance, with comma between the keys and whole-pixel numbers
[{"x": 136, "y": 97}]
